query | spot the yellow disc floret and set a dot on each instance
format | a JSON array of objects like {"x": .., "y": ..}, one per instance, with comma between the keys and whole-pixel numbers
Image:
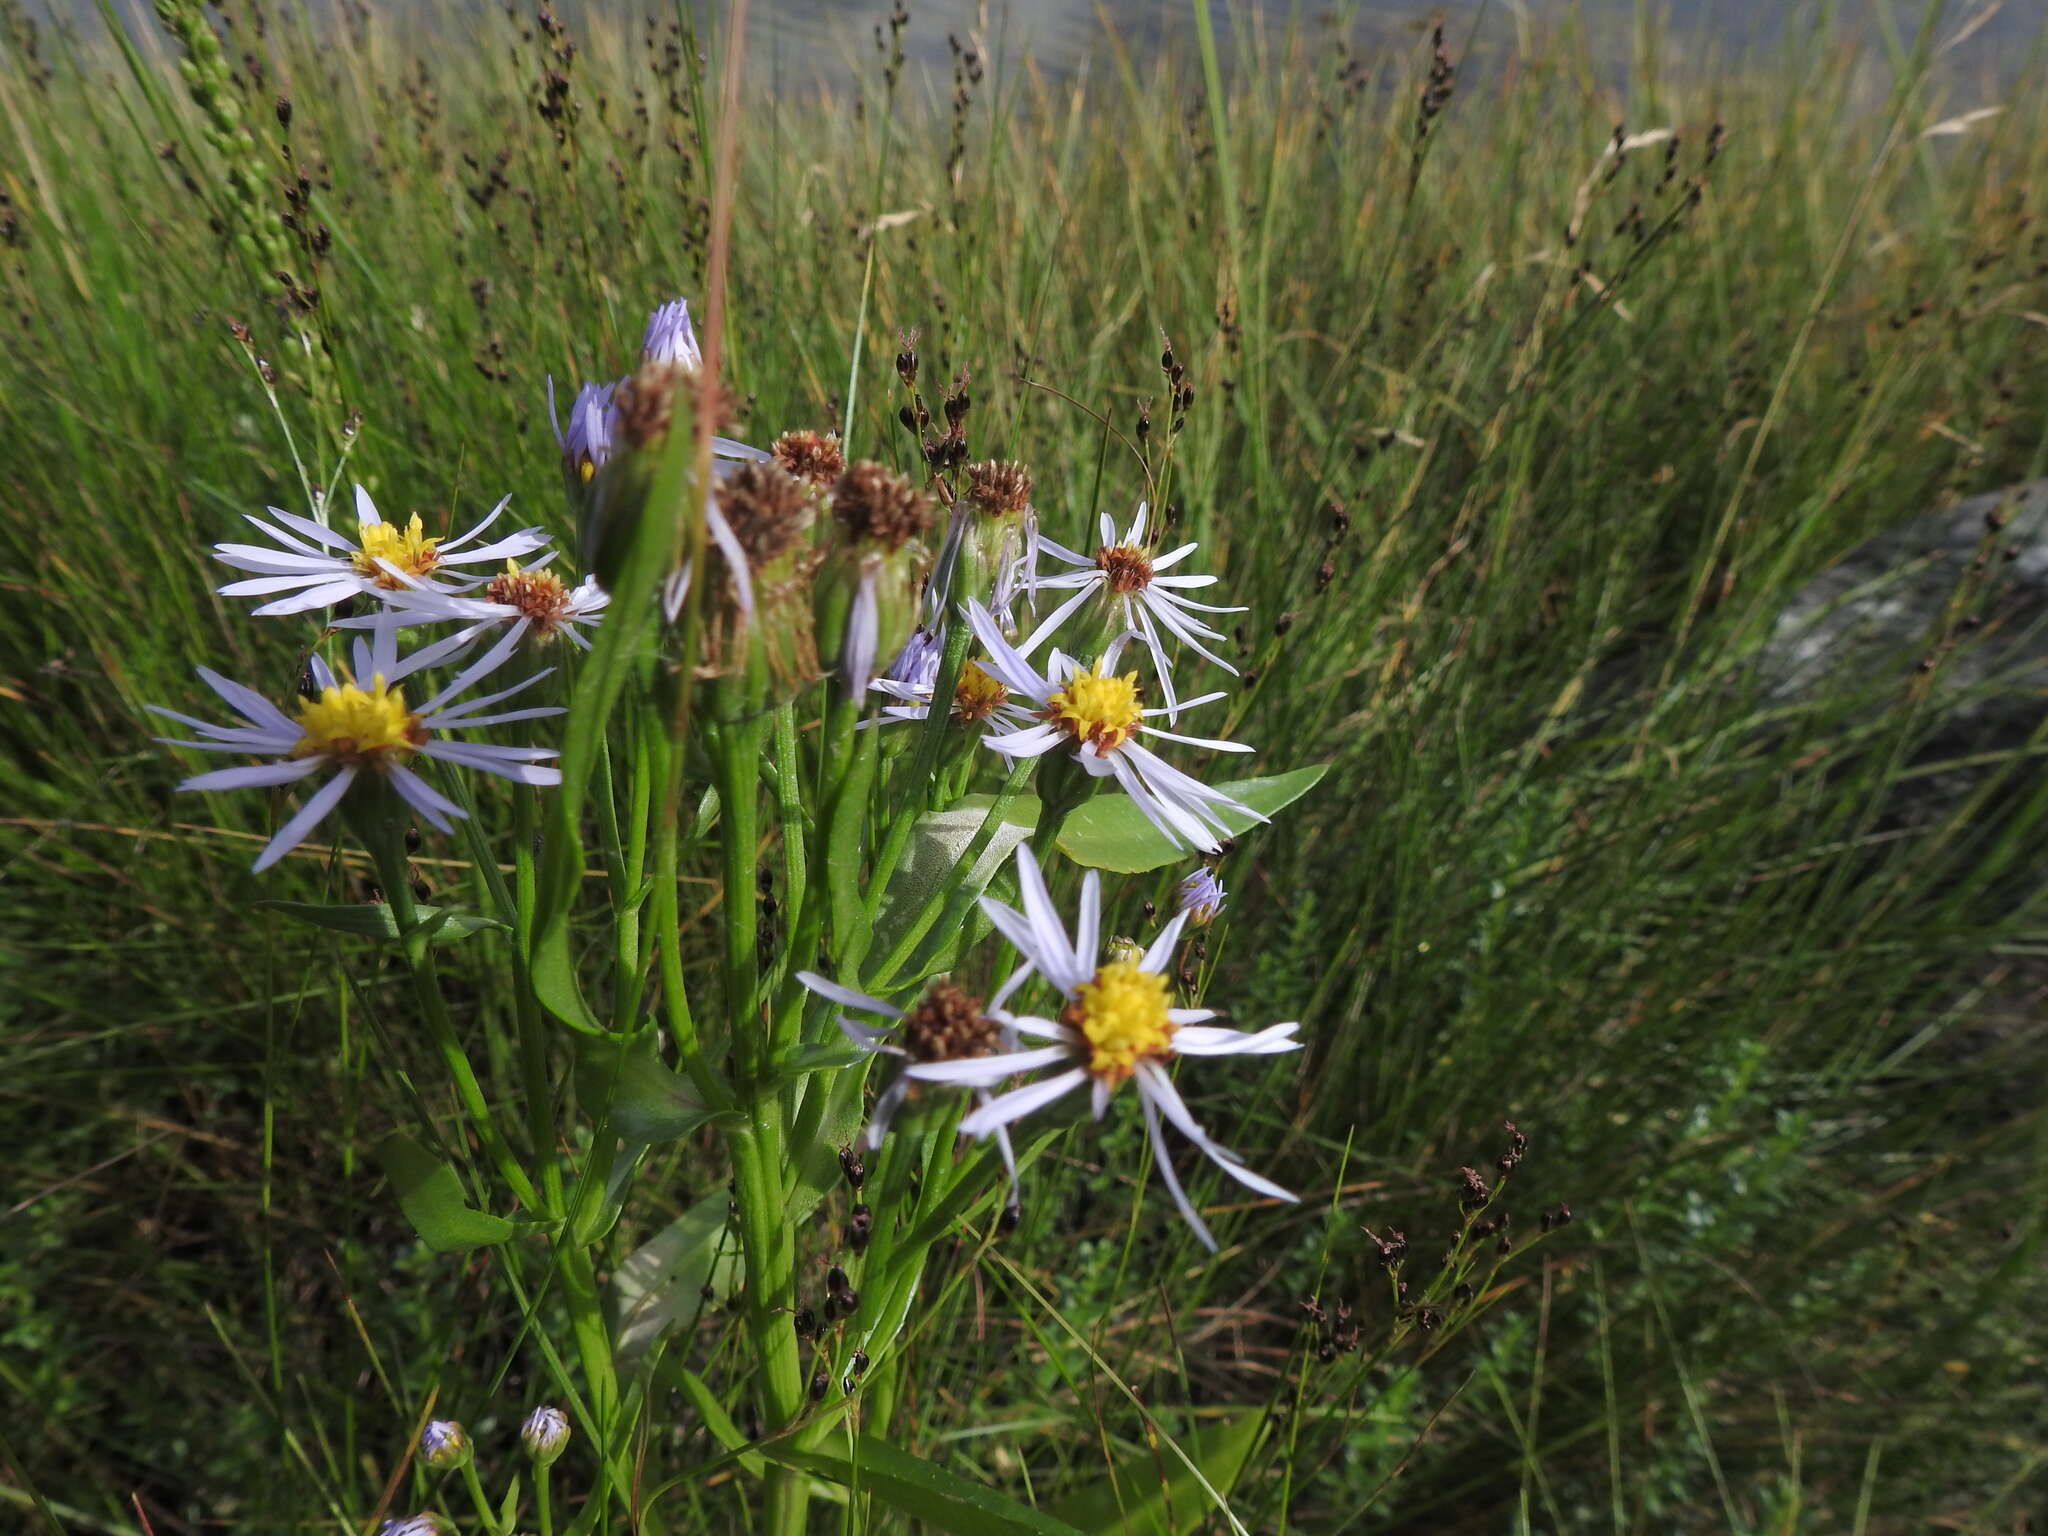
[
  {"x": 408, "y": 548},
  {"x": 977, "y": 695},
  {"x": 539, "y": 596},
  {"x": 1096, "y": 708},
  {"x": 363, "y": 726},
  {"x": 1122, "y": 1013}
]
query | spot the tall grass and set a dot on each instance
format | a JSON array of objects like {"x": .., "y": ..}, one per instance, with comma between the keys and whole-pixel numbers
[{"x": 1516, "y": 446}]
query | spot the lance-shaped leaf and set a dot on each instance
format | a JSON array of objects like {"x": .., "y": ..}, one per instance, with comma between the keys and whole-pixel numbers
[
  {"x": 373, "y": 919},
  {"x": 430, "y": 1194},
  {"x": 645, "y": 1100},
  {"x": 1110, "y": 833}
]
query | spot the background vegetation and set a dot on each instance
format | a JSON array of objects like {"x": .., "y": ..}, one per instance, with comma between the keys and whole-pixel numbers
[{"x": 1517, "y": 448}]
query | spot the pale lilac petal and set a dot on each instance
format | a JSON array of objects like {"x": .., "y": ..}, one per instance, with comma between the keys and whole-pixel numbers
[
  {"x": 308, "y": 816},
  {"x": 846, "y": 997},
  {"x": 436, "y": 807},
  {"x": 257, "y": 774}
]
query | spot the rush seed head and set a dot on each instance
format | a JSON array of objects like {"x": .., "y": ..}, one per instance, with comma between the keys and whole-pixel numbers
[
  {"x": 365, "y": 727},
  {"x": 1096, "y": 709},
  {"x": 1122, "y": 1013},
  {"x": 408, "y": 548}
]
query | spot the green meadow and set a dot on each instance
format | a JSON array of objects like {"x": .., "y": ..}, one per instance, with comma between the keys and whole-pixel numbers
[{"x": 1532, "y": 373}]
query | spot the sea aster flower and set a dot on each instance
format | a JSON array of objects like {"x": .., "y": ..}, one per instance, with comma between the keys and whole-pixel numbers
[
  {"x": 1117, "y": 1025},
  {"x": 593, "y": 422},
  {"x": 947, "y": 1031},
  {"x": 1100, "y": 715},
  {"x": 534, "y": 601},
  {"x": 362, "y": 724},
  {"x": 322, "y": 567},
  {"x": 414, "y": 1525},
  {"x": 1138, "y": 598},
  {"x": 1201, "y": 896},
  {"x": 670, "y": 338}
]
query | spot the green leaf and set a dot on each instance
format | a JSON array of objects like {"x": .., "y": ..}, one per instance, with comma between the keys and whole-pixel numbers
[
  {"x": 373, "y": 919},
  {"x": 553, "y": 970},
  {"x": 662, "y": 1282},
  {"x": 646, "y": 1101},
  {"x": 1110, "y": 833},
  {"x": 1132, "y": 1500},
  {"x": 916, "y": 1487},
  {"x": 430, "y": 1194},
  {"x": 937, "y": 844}
]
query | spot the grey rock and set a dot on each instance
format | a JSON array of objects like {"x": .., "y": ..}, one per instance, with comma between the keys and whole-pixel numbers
[{"x": 1950, "y": 609}]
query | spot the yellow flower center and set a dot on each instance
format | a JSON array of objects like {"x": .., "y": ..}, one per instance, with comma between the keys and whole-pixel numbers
[
  {"x": 364, "y": 726},
  {"x": 1095, "y": 708},
  {"x": 1122, "y": 1013},
  {"x": 977, "y": 695},
  {"x": 538, "y": 595},
  {"x": 585, "y": 468},
  {"x": 408, "y": 548}
]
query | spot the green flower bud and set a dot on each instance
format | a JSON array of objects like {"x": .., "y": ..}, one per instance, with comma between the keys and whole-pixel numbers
[{"x": 545, "y": 1434}]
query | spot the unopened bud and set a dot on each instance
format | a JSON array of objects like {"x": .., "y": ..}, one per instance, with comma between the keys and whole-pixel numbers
[
  {"x": 545, "y": 1434},
  {"x": 444, "y": 1445},
  {"x": 414, "y": 1525}
]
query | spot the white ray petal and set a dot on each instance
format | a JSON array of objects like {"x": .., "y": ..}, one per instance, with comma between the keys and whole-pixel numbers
[{"x": 1019, "y": 1102}]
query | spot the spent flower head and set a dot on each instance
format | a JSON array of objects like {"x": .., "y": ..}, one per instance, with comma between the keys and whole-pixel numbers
[{"x": 945, "y": 1032}]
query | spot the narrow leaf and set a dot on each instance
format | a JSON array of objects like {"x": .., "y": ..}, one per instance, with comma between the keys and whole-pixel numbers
[
  {"x": 373, "y": 919},
  {"x": 918, "y": 1488},
  {"x": 1151, "y": 1492}
]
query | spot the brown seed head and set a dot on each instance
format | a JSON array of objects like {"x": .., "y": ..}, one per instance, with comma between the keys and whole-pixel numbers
[
  {"x": 1127, "y": 566},
  {"x": 768, "y": 508},
  {"x": 812, "y": 456},
  {"x": 647, "y": 400},
  {"x": 874, "y": 504},
  {"x": 999, "y": 489},
  {"x": 948, "y": 1025}
]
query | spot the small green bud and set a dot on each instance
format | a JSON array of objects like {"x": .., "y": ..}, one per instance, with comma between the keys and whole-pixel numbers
[{"x": 545, "y": 1434}]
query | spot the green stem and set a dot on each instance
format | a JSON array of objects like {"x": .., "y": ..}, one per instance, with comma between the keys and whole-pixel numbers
[
  {"x": 543, "y": 1509},
  {"x": 486, "y": 1517}
]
